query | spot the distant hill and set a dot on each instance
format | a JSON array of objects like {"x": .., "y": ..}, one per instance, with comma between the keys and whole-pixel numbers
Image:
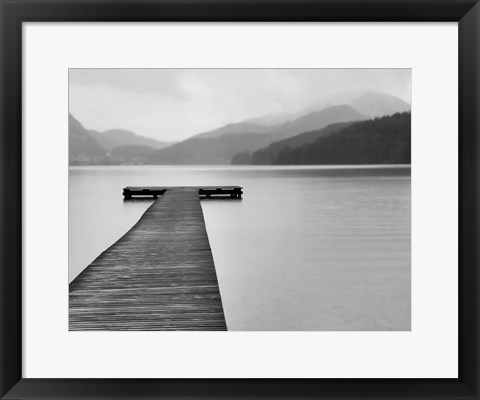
[
  {"x": 385, "y": 140},
  {"x": 130, "y": 154},
  {"x": 379, "y": 104},
  {"x": 120, "y": 137},
  {"x": 240, "y": 127},
  {"x": 271, "y": 119},
  {"x": 224, "y": 144},
  {"x": 316, "y": 120},
  {"x": 268, "y": 154},
  {"x": 209, "y": 151},
  {"x": 82, "y": 147},
  {"x": 89, "y": 147}
]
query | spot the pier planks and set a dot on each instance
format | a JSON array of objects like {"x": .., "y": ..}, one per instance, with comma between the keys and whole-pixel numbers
[{"x": 159, "y": 276}]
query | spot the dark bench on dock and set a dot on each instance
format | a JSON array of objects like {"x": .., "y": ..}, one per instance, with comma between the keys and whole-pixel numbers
[{"x": 234, "y": 192}]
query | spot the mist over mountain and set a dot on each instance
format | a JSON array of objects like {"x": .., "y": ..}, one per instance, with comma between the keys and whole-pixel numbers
[
  {"x": 113, "y": 138},
  {"x": 316, "y": 120},
  {"x": 239, "y": 127},
  {"x": 130, "y": 154},
  {"x": 379, "y": 104},
  {"x": 272, "y": 119}
]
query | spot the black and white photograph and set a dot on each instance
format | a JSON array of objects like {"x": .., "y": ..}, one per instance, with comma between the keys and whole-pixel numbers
[{"x": 239, "y": 199}]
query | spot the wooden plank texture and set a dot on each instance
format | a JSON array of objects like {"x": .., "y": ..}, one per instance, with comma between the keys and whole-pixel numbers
[{"x": 159, "y": 276}]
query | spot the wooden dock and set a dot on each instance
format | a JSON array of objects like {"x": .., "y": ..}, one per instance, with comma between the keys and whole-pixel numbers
[
  {"x": 159, "y": 276},
  {"x": 234, "y": 192}
]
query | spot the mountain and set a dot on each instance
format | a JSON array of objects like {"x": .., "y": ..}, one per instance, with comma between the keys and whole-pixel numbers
[
  {"x": 221, "y": 145},
  {"x": 82, "y": 147},
  {"x": 379, "y": 104},
  {"x": 206, "y": 151},
  {"x": 240, "y": 127},
  {"x": 120, "y": 137},
  {"x": 266, "y": 155},
  {"x": 316, "y": 120},
  {"x": 271, "y": 119},
  {"x": 385, "y": 140},
  {"x": 89, "y": 147},
  {"x": 130, "y": 154}
]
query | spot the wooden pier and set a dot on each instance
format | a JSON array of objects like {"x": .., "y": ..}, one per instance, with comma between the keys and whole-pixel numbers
[{"x": 160, "y": 275}]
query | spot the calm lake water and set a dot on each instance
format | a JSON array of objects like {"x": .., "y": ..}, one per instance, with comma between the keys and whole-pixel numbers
[{"x": 307, "y": 248}]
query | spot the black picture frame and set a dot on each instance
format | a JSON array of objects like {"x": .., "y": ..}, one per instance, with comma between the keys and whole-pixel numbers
[{"x": 15, "y": 12}]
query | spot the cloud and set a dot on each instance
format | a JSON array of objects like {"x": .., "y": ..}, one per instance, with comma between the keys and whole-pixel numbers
[{"x": 133, "y": 81}]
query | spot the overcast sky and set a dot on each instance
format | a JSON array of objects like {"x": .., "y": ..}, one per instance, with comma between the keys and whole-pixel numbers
[{"x": 173, "y": 104}]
